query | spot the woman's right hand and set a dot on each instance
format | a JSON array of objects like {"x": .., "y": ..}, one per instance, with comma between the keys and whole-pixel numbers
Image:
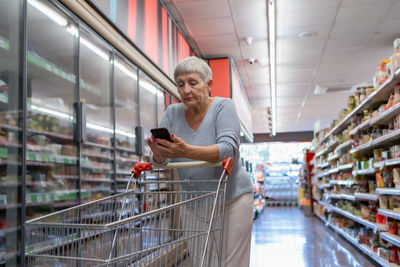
[{"x": 157, "y": 156}]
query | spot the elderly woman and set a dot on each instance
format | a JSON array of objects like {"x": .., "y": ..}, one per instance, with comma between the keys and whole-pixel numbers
[{"x": 208, "y": 128}]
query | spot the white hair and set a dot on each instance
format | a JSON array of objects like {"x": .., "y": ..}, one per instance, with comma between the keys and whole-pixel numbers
[{"x": 193, "y": 64}]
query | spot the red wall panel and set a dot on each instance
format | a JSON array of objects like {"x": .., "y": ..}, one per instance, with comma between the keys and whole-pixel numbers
[
  {"x": 185, "y": 48},
  {"x": 132, "y": 11},
  {"x": 221, "y": 78},
  {"x": 151, "y": 30},
  {"x": 165, "y": 39}
]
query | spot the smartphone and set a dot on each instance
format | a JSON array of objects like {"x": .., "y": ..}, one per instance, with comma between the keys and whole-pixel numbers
[{"x": 161, "y": 133}]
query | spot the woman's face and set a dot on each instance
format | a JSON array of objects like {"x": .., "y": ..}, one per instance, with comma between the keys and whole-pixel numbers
[{"x": 192, "y": 89}]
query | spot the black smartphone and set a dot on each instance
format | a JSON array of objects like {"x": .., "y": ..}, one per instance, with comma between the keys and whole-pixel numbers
[{"x": 161, "y": 133}]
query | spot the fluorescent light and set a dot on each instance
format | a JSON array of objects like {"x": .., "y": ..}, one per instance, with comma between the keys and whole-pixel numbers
[
  {"x": 148, "y": 86},
  {"x": 122, "y": 68},
  {"x": 95, "y": 49},
  {"x": 53, "y": 15},
  {"x": 98, "y": 127},
  {"x": 272, "y": 62},
  {"x": 55, "y": 113},
  {"x": 125, "y": 133}
]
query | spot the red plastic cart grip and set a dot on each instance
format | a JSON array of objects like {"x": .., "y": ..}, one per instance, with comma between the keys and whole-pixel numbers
[
  {"x": 228, "y": 165},
  {"x": 139, "y": 167}
]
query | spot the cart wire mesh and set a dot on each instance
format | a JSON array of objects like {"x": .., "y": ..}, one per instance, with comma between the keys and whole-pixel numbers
[{"x": 167, "y": 228}]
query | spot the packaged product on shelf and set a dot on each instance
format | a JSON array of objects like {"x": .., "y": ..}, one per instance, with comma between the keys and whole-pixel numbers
[
  {"x": 396, "y": 54},
  {"x": 3, "y": 87},
  {"x": 382, "y": 73},
  {"x": 380, "y": 183},
  {"x": 381, "y": 221},
  {"x": 396, "y": 177},
  {"x": 392, "y": 254},
  {"x": 383, "y": 253},
  {"x": 396, "y": 203}
]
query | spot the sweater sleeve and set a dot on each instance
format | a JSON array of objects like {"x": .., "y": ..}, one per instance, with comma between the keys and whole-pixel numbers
[
  {"x": 227, "y": 130},
  {"x": 166, "y": 122}
]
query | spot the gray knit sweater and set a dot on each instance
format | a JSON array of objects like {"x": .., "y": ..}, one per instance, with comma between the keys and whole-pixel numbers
[{"x": 220, "y": 127}]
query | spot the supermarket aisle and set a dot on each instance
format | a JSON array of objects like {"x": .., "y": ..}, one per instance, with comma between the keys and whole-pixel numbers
[{"x": 285, "y": 237}]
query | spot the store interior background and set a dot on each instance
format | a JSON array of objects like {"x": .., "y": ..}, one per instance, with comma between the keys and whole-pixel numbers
[{"x": 324, "y": 49}]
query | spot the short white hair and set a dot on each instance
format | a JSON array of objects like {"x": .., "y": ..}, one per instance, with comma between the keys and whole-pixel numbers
[{"x": 193, "y": 64}]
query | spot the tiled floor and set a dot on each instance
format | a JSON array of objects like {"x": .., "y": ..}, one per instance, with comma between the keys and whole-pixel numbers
[{"x": 285, "y": 237}]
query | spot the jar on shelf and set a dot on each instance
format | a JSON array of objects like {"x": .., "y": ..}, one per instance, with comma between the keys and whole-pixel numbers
[{"x": 396, "y": 55}]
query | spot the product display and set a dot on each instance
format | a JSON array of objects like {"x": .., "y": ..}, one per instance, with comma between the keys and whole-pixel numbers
[{"x": 358, "y": 168}]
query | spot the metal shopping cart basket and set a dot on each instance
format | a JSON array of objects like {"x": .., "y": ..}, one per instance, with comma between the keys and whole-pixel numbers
[{"x": 135, "y": 228}]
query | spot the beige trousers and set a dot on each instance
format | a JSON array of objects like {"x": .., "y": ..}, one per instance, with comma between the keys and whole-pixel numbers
[{"x": 238, "y": 222}]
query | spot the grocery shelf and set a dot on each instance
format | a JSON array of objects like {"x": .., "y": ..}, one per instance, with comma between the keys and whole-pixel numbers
[
  {"x": 10, "y": 127},
  {"x": 320, "y": 152},
  {"x": 3, "y": 144},
  {"x": 335, "y": 196},
  {"x": 366, "y": 124},
  {"x": 385, "y": 139},
  {"x": 96, "y": 180},
  {"x": 323, "y": 165},
  {"x": 51, "y": 134},
  {"x": 389, "y": 162},
  {"x": 98, "y": 145},
  {"x": 366, "y": 196},
  {"x": 363, "y": 248},
  {"x": 334, "y": 157},
  {"x": 347, "y": 197},
  {"x": 322, "y": 174},
  {"x": 387, "y": 115},
  {"x": 70, "y": 177},
  {"x": 389, "y": 213},
  {"x": 394, "y": 239},
  {"x": 346, "y": 144},
  {"x": 342, "y": 182},
  {"x": 127, "y": 160},
  {"x": 366, "y": 223},
  {"x": 126, "y": 149},
  {"x": 85, "y": 154},
  {"x": 324, "y": 186},
  {"x": 334, "y": 170},
  {"x": 388, "y": 191},
  {"x": 364, "y": 172},
  {"x": 332, "y": 146},
  {"x": 348, "y": 166},
  {"x": 361, "y": 147}
]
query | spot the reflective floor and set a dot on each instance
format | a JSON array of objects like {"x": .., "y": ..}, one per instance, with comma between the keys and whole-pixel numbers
[{"x": 285, "y": 237}]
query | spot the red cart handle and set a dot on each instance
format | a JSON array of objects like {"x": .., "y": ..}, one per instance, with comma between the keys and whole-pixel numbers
[
  {"x": 227, "y": 164},
  {"x": 139, "y": 167}
]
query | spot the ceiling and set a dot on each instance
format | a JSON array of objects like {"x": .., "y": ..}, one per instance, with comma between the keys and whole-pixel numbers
[{"x": 351, "y": 38}]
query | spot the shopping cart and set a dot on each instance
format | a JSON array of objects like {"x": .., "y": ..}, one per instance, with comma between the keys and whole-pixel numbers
[{"x": 135, "y": 228}]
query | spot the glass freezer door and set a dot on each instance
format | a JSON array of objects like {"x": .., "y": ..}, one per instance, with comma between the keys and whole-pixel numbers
[
  {"x": 10, "y": 133},
  {"x": 95, "y": 84},
  {"x": 126, "y": 119},
  {"x": 52, "y": 173}
]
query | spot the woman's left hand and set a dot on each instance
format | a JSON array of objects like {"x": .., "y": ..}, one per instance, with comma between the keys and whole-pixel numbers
[{"x": 177, "y": 149}]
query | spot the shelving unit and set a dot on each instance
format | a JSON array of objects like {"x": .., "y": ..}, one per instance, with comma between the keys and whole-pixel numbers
[{"x": 359, "y": 144}]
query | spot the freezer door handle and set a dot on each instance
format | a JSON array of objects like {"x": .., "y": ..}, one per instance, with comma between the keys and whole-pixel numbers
[{"x": 80, "y": 133}]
